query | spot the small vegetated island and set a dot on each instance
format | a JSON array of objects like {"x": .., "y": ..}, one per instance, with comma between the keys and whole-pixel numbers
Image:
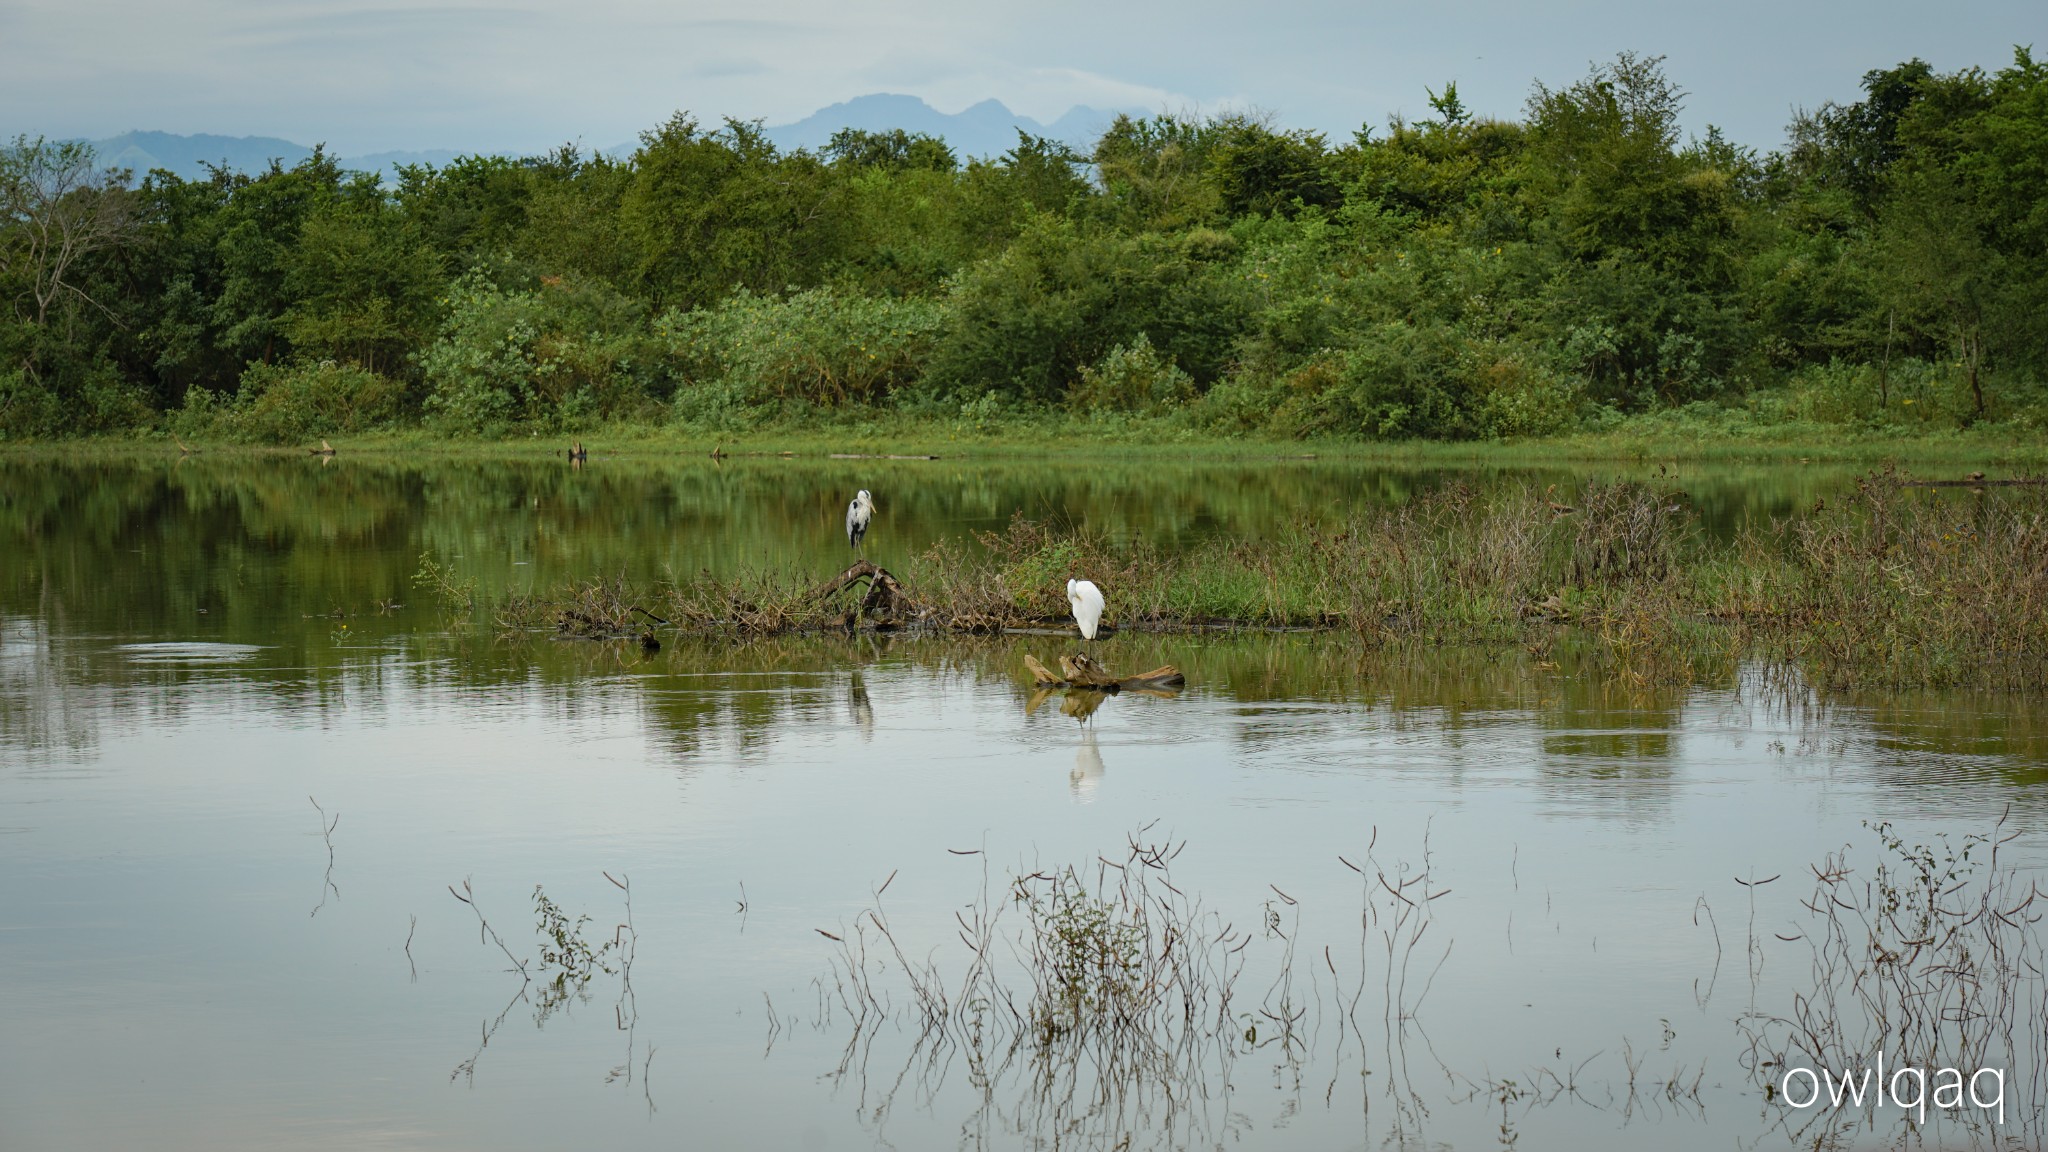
[{"x": 1587, "y": 267}]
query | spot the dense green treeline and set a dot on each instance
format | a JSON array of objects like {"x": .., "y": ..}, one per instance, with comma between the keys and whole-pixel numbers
[{"x": 1456, "y": 277}]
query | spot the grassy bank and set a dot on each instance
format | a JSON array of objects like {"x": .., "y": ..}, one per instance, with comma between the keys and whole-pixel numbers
[
  {"x": 1671, "y": 438},
  {"x": 1894, "y": 586}
]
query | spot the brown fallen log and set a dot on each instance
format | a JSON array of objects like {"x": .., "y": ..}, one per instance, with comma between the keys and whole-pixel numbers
[{"x": 1079, "y": 671}]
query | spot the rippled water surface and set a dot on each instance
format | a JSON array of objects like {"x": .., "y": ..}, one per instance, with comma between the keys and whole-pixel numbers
[{"x": 243, "y": 775}]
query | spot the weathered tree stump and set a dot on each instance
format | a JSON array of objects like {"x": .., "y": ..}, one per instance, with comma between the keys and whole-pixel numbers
[
  {"x": 885, "y": 595},
  {"x": 1080, "y": 671}
]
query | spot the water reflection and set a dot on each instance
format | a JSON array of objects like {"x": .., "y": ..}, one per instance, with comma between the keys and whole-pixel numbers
[
  {"x": 1087, "y": 773},
  {"x": 1289, "y": 693},
  {"x": 860, "y": 709},
  {"x": 190, "y": 654},
  {"x": 232, "y": 547},
  {"x": 525, "y": 762}
]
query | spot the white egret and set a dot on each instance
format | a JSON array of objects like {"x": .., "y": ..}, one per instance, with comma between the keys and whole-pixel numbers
[
  {"x": 1087, "y": 601},
  {"x": 858, "y": 514}
]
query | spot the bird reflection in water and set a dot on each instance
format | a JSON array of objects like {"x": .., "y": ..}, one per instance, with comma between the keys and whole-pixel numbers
[
  {"x": 860, "y": 709},
  {"x": 1087, "y": 773}
]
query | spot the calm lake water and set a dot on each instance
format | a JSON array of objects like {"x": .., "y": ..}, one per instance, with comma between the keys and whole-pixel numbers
[{"x": 241, "y": 769}]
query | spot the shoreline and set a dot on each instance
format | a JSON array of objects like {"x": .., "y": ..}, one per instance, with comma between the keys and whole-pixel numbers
[{"x": 2003, "y": 448}]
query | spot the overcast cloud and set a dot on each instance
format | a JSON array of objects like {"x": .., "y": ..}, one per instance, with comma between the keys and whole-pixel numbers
[{"x": 488, "y": 75}]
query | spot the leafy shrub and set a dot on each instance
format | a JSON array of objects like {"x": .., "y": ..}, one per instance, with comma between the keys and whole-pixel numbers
[
  {"x": 1516, "y": 394},
  {"x": 27, "y": 408},
  {"x": 290, "y": 403},
  {"x": 1131, "y": 378},
  {"x": 92, "y": 397},
  {"x": 1401, "y": 381},
  {"x": 1905, "y": 393},
  {"x": 1060, "y": 297},
  {"x": 554, "y": 356},
  {"x": 815, "y": 348}
]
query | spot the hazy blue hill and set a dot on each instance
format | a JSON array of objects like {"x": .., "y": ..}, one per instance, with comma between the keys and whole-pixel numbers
[
  {"x": 1082, "y": 126},
  {"x": 986, "y": 129},
  {"x": 188, "y": 156},
  {"x": 389, "y": 161}
]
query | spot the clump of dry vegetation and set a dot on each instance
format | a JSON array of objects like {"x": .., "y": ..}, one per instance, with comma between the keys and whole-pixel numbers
[{"x": 1890, "y": 587}]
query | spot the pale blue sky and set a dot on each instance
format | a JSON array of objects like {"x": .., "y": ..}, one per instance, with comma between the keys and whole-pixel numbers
[{"x": 368, "y": 75}]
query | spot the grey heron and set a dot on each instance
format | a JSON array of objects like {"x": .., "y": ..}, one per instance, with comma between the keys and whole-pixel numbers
[{"x": 858, "y": 514}]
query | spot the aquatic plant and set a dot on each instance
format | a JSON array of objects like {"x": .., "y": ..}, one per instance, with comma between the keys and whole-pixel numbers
[
  {"x": 1103, "y": 1006},
  {"x": 1934, "y": 958},
  {"x": 438, "y": 580}
]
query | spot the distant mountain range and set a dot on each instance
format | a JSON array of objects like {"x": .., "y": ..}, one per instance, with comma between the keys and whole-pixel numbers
[
  {"x": 188, "y": 156},
  {"x": 986, "y": 129}
]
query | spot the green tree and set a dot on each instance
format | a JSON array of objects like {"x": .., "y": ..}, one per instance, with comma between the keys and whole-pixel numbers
[
  {"x": 58, "y": 213},
  {"x": 1260, "y": 172},
  {"x": 1044, "y": 174},
  {"x": 361, "y": 283},
  {"x": 1023, "y": 323},
  {"x": 475, "y": 208},
  {"x": 1644, "y": 299},
  {"x": 894, "y": 149},
  {"x": 709, "y": 212},
  {"x": 259, "y": 231},
  {"x": 165, "y": 287},
  {"x": 1850, "y": 148},
  {"x": 1155, "y": 173}
]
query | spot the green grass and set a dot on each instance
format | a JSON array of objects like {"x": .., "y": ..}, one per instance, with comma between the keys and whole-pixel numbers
[{"x": 1672, "y": 437}]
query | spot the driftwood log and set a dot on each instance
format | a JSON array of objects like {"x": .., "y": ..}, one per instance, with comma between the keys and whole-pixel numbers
[
  {"x": 1079, "y": 671},
  {"x": 885, "y": 595}
]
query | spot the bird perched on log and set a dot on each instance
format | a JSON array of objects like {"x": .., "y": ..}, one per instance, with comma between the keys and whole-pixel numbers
[
  {"x": 858, "y": 515},
  {"x": 1086, "y": 600}
]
